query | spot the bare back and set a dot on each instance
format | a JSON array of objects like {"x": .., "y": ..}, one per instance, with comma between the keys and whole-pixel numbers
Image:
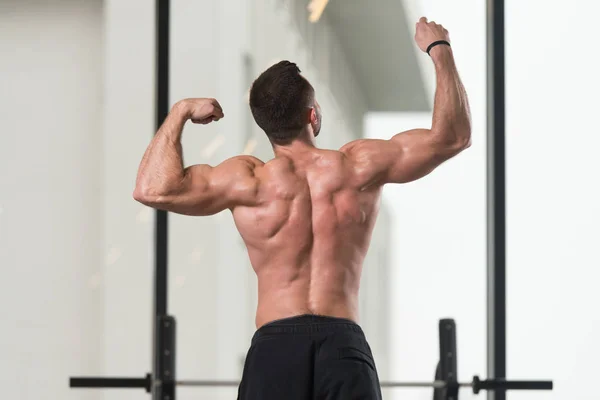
[
  {"x": 308, "y": 238},
  {"x": 306, "y": 217}
]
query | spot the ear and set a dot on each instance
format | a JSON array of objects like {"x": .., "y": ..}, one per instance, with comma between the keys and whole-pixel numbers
[{"x": 314, "y": 118}]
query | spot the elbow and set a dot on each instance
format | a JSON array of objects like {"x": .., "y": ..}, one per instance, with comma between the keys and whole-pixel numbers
[
  {"x": 141, "y": 195},
  {"x": 147, "y": 196},
  {"x": 465, "y": 142},
  {"x": 452, "y": 145},
  {"x": 465, "y": 136},
  {"x": 155, "y": 197},
  {"x": 461, "y": 140}
]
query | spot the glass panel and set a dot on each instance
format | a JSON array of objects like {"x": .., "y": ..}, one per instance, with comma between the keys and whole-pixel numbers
[
  {"x": 437, "y": 255},
  {"x": 427, "y": 258},
  {"x": 75, "y": 249},
  {"x": 553, "y": 197},
  {"x": 207, "y": 262},
  {"x": 129, "y": 106}
]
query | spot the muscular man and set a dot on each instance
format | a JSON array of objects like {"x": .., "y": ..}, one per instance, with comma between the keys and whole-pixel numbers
[{"x": 306, "y": 217}]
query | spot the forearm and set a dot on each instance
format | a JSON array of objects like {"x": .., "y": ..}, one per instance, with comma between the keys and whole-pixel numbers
[
  {"x": 451, "y": 113},
  {"x": 161, "y": 169}
]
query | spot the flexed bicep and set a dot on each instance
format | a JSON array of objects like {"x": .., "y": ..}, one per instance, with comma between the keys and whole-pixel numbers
[{"x": 207, "y": 190}]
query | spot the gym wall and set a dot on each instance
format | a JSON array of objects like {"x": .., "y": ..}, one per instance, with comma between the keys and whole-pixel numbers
[{"x": 52, "y": 249}]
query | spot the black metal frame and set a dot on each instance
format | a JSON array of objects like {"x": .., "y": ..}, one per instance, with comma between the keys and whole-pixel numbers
[
  {"x": 162, "y": 110},
  {"x": 163, "y": 342},
  {"x": 446, "y": 386},
  {"x": 496, "y": 197},
  {"x": 447, "y": 369}
]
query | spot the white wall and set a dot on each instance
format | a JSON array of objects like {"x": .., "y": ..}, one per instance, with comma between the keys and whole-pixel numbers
[{"x": 51, "y": 196}]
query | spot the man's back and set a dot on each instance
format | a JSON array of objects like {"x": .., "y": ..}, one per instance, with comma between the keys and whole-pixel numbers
[{"x": 308, "y": 235}]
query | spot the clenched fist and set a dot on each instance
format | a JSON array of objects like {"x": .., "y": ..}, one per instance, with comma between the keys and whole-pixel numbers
[
  {"x": 429, "y": 32},
  {"x": 202, "y": 111}
]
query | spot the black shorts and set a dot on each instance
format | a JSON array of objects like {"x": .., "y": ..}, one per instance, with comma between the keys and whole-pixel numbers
[{"x": 309, "y": 357}]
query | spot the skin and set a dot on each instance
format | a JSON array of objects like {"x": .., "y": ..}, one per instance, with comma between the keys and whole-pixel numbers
[{"x": 307, "y": 215}]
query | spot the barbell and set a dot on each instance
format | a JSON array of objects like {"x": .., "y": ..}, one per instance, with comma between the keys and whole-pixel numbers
[{"x": 476, "y": 384}]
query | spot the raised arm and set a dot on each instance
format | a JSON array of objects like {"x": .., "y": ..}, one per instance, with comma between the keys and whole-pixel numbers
[
  {"x": 163, "y": 182},
  {"x": 411, "y": 155}
]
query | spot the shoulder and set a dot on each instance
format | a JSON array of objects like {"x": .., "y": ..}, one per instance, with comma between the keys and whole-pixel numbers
[
  {"x": 361, "y": 150},
  {"x": 366, "y": 161},
  {"x": 243, "y": 162},
  {"x": 249, "y": 160},
  {"x": 350, "y": 147}
]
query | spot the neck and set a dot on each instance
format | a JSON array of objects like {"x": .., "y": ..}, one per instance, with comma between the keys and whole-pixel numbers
[{"x": 302, "y": 143}]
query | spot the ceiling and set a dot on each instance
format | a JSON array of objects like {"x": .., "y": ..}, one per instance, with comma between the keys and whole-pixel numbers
[{"x": 378, "y": 43}]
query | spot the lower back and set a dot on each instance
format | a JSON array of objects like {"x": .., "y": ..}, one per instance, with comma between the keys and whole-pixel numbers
[{"x": 328, "y": 290}]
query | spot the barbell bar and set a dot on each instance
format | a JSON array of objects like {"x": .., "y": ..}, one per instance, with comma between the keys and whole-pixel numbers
[
  {"x": 434, "y": 384},
  {"x": 477, "y": 384}
]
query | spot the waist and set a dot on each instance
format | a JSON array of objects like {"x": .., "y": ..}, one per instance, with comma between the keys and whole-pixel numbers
[
  {"x": 307, "y": 324},
  {"x": 298, "y": 299}
]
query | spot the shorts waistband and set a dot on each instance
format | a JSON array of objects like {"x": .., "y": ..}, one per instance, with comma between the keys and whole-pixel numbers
[{"x": 307, "y": 323}]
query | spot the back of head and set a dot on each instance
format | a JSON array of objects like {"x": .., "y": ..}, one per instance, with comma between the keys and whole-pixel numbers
[{"x": 280, "y": 100}]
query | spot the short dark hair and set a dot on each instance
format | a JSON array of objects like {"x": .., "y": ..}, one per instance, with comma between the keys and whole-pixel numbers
[{"x": 279, "y": 98}]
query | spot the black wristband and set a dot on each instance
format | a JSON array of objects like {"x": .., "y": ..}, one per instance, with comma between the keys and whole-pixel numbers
[{"x": 432, "y": 45}]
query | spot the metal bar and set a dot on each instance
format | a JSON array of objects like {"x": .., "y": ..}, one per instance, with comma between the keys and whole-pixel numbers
[
  {"x": 448, "y": 371},
  {"x": 97, "y": 382},
  {"x": 165, "y": 336},
  {"x": 434, "y": 384},
  {"x": 518, "y": 385},
  {"x": 496, "y": 197},
  {"x": 477, "y": 384},
  {"x": 207, "y": 383},
  {"x": 496, "y": 385},
  {"x": 162, "y": 110},
  {"x": 481, "y": 385},
  {"x": 161, "y": 223}
]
